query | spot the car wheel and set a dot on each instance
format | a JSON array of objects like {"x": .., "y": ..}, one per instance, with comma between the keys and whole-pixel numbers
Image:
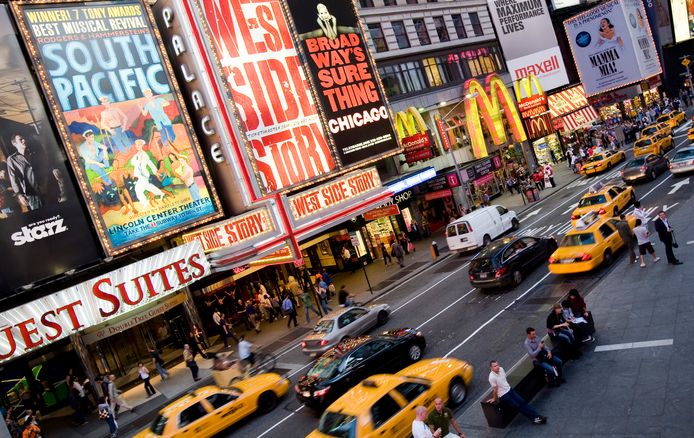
[
  {"x": 382, "y": 317},
  {"x": 486, "y": 240},
  {"x": 632, "y": 199},
  {"x": 457, "y": 392},
  {"x": 414, "y": 353},
  {"x": 607, "y": 258},
  {"x": 515, "y": 224},
  {"x": 609, "y": 166},
  {"x": 653, "y": 174},
  {"x": 267, "y": 402},
  {"x": 517, "y": 277}
]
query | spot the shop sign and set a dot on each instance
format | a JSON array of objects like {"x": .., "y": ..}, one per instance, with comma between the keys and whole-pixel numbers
[
  {"x": 409, "y": 123},
  {"x": 121, "y": 118},
  {"x": 452, "y": 179},
  {"x": 612, "y": 45},
  {"x": 527, "y": 105},
  {"x": 380, "y": 212},
  {"x": 412, "y": 180},
  {"x": 417, "y": 147},
  {"x": 239, "y": 269},
  {"x": 538, "y": 127},
  {"x": 489, "y": 107},
  {"x": 50, "y": 234},
  {"x": 403, "y": 197},
  {"x": 484, "y": 180},
  {"x": 438, "y": 194},
  {"x": 131, "y": 320},
  {"x": 567, "y": 101},
  {"x": 282, "y": 255},
  {"x": 235, "y": 232},
  {"x": 344, "y": 78},
  {"x": 438, "y": 183},
  {"x": 443, "y": 133},
  {"x": 484, "y": 167},
  {"x": 335, "y": 193},
  {"x": 51, "y": 318}
]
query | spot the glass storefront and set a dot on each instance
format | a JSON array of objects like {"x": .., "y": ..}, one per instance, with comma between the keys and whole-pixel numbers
[{"x": 548, "y": 149}]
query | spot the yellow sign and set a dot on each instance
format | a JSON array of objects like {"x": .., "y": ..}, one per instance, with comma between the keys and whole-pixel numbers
[
  {"x": 409, "y": 123},
  {"x": 524, "y": 87},
  {"x": 686, "y": 62},
  {"x": 492, "y": 103}
]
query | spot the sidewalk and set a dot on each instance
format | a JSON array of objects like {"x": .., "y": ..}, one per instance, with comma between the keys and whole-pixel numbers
[{"x": 276, "y": 336}]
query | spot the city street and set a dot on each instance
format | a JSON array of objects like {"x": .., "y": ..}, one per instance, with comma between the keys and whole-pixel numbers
[{"x": 463, "y": 322}]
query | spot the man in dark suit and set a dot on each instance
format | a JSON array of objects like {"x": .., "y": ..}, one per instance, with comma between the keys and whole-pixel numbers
[{"x": 665, "y": 234}]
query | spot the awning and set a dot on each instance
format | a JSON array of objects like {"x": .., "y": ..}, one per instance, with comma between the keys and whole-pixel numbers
[{"x": 578, "y": 119}]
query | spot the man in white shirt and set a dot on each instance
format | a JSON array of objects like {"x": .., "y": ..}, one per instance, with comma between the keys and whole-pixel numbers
[
  {"x": 245, "y": 351},
  {"x": 419, "y": 427},
  {"x": 640, "y": 213},
  {"x": 501, "y": 390},
  {"x": 644, "y": 241},
  {"x": 218, "y": 318}
]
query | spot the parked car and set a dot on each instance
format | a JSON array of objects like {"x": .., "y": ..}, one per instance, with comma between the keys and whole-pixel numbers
[
  {"x": 345, "y": 365},
  {"x": 506, "y": 262},
  {"x": 683, "y": 161},
  {"x": 341, "y": 324},
  {"x": 480, "y": 227},
  {"x": 645, "y": 167}
]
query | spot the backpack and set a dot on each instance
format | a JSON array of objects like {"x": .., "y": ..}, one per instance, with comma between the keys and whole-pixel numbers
[{"x": 287, "y": 305}]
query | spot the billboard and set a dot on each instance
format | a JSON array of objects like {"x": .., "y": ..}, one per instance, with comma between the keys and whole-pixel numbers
[
  {"x": 525, "y": 31},
  {"x": 682, "y": 19},
  {"x": 567, "y": 101},
  {"x": 344, "y": 78},
  {"x": 612, "y": 45},
  {"x": 414, "y": 135},
  {"x": 40, "y": 210},
  {"x": 121, "y": 118},
  {"x": 286, "y": 144}
]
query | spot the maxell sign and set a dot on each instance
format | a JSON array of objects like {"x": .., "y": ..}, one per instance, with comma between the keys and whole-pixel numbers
[{"x": 530, "y": 46}]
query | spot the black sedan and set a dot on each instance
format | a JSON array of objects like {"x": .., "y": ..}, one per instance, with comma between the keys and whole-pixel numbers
[
  {"x": 506, "y": 262},
  {"x": 352, "y": 360},
  {"x": 644, "y": 167}
]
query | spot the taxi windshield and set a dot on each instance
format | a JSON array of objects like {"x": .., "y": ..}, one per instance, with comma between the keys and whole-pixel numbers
[
  {"x": 644, "y": 142},
  {"x": 326, "y": 366},
  {"x": 592, "y": 200},
  {"x": 595, "y": 158},
  {"x": 649, "y": 131},
  {"x": 325, "y": 326},
  {"x": 338, "y": 425},
  {"x": 578, "y": 239},
  {"x": 158, "y": 425}
]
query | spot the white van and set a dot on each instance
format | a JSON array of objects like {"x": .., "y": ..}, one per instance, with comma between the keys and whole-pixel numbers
[{"x": 480, "y": 227}]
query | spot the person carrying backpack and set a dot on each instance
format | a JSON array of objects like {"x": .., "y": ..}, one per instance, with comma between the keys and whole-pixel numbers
[{"x": 289, "y": 309}]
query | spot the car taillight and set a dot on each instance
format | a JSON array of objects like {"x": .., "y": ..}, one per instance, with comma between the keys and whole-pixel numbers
[
  {"x": 643, "y": 169},
  {"x": 472, "y": 277},
  {"x": 324, "y": 342},
  {"x": 601, "y": 211},
  {"x": 501, "y": 271},
  {"x": 321, "y": 392},
  {"x": 585, "y": 257},
  {"x": 303, "y": 344},
  {"x": 575, "y": 217},
  {"x": 552, "y": 260}
]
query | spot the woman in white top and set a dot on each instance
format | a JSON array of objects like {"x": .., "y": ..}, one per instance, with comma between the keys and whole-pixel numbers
[{"x": 144, "y": 375}]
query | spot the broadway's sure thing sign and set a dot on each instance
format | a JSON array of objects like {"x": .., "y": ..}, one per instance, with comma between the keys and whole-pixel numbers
[
  {"x": 612, "y": 45},
  {"x": 344, "y": 78},
  {"x": 40, "y": 210},
  {"x": 285, "y": 141},
  {"x": 120, "y": 116},
  {"x": 53, "y": 317}
]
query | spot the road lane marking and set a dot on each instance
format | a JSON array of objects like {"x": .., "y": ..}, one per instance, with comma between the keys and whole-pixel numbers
[
  {"x": 281, "y": 421},
  {"x": 678, "y": 185},
  {"x": 630, "y": 345},
  {"x": 497, "y": 315},
  {"x": 428, "y": 289},
  {"x": 410, "y": 279},
  {"x": 691, "y": 242},
  {"x": 446, "y": 308},
  {"x": 300, "y": 369}
]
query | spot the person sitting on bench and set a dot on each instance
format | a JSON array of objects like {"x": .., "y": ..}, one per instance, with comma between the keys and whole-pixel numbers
[
  {"x": 543, "y": 358},
  {"x": 560, "y": 332}
]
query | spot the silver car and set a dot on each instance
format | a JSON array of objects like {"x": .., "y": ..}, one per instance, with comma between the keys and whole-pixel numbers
[
  {"x": 341, "y": 324},
  {"x": 683, "y": 161}
]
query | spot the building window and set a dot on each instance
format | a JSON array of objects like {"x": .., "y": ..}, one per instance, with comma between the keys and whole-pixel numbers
[
  {"x": 400, "y": 34},
  {"x": 421, "y": 28},
  {"x": 441, "y": 30},
  {"x": 412, "y": 2},
  {"x": 459, "y": 26},
  {"x": 366, "y": 3},
  {"x": 377, "y": 36},
  {"x": 476, "y": 26},
  {"x": 389, "y": 2}
]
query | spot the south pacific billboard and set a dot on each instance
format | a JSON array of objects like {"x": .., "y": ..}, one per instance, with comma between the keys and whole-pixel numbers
[{"x": 121, "y": 118}]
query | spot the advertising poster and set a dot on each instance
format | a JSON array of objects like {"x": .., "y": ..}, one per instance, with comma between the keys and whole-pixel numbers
[
  {"x": 682, "y": 19},
  {"x": 40, "y": 210},
  {"x": 344, "y": 78},
  {"x": 525, "y": 31},
  {"x": 612, "y": 46},
  {"x": 120, "y": 117},
  {"x": 286, "y": 143}
]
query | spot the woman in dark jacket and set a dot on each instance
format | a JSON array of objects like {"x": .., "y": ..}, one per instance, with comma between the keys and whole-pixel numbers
[
  {"x": 560, "y": 332},
  {"x": 579, "y": 308}
]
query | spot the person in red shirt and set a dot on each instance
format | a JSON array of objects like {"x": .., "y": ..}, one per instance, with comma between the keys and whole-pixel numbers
[{"x": 539, "y": 178}]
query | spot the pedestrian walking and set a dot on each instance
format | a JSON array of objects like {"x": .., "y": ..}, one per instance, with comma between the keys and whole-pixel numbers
[
  {"x": 666, "y": 235},
  {"x": 386, "y": 257},
  {"x": 294, "y": 288},
  {"x": 346, "y": 258},
  {"x": 627, "y": 237},
  {"x": 549, "y": 174},
  {"x": 640, "y": 213},
  {"x": 329, "y": 281},
  {"x": 252, "y": 316},
  {"x": 644, "y": 242},
  {"x": 106, "y": 414},
  {"x": 31, "y": 428},
  {"x": 218, "y": 318},
  {"x": 144, "y": 376},
  {"x": 114, "y": 397},
  {"x": 308, "y": 305},
  {"x": 190, "y": 362},
  {"x": 420, "y": 428},
  {"x": 158, "y": 363},
  {"x": 442, "y": 418},
  {"x": 289, "y": 308},
  {"x": 502, "y": 391},
  {"x": 398, "y": 252},
  {"x": 322, "y": 292}
]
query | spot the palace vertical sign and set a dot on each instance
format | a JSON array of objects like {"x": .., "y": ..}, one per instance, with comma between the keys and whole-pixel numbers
[{"x": 344, "y": 79}]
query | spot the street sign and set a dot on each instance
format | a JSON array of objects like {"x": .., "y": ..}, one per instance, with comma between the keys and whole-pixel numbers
[{"x": 686, "y": 62}]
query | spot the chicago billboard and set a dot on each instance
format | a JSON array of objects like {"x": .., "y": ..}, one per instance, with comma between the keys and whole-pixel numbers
[
  {"x": 525, "y": 31},
  {"x": 344, "y": 78},
  {"x": 612, "y": 45},
  {"x": 120, "y": 116},
  {"x": 44, "y": 230}
]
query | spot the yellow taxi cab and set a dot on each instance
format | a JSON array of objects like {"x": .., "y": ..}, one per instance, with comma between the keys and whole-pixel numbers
[
  {"x": 690, "y": 134},
  {"x": 592, "y": 243},
  {"x": 674, "y": 118},
  {"x": 655, "y": 144},
  {"x": 607, "y": 199},
  {"x": 601, "y": 162},
  {"x": 656, "y": 128},
  {"x": 206, "y": 411},
  {"x": 384, "y": 405}
]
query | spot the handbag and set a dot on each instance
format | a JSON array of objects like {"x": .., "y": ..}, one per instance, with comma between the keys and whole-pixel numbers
[
  {"x": 104, "y": 414},
  {"x": 674, "y": 241}
]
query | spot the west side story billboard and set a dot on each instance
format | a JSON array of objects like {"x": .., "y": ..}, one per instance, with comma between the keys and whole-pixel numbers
[
  {"x": 44, "y": 230},
  {"x": 121, "y": 118},
  {"x": 612, "y": 45},
  {"x": 526, "y": 34}
]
